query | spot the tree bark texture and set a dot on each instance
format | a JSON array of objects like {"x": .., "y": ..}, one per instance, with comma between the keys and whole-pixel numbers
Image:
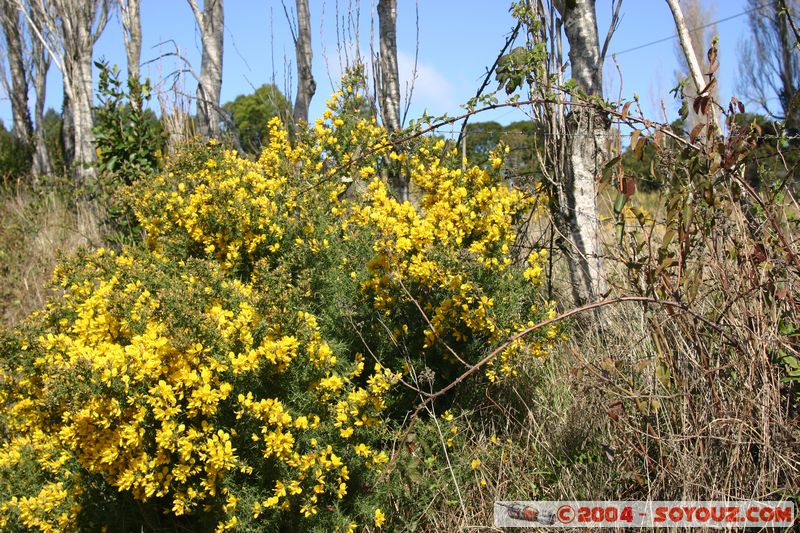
[
  {"x": 587, "y": 134},
  {"x": 18, "y": 91},
  {"x": 688, "y": 48},
  {"x": 42, "y": 164},
  {"x": 78, "y": 69},
  {"x": 389, "y": 84},
  {"x": 690, "y": 53},
  {"x": 132, "y": 35},
  {"x": 69, "y": 29},
  {"x": 306, "y": 86},
  {"x": 68, "y": 131},
  {"x": 695, "y": 32},
  {"x": 211, "y": 22}
]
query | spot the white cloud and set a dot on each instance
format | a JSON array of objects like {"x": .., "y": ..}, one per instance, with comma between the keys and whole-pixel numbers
[{"x": 432, "y": 90}]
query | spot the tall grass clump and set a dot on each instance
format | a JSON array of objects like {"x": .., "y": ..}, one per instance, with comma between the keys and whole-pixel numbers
[{"x": 39, "y": 226}]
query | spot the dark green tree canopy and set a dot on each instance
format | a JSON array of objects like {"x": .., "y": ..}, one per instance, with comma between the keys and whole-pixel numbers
[
  {"x": 522, "y": 139},
  {"x": 251, "y": 112}
]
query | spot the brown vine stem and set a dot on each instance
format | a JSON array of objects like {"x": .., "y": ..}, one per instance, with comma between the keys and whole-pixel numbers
[
  {"x": 429, "y": 397},
  {"x": 500, "y": 349}
]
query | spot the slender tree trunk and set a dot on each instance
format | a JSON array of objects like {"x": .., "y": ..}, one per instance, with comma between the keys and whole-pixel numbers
[
  {"x": 689, "y": 52},
  {"x": 389, "y": 84},
  {"x": 82, "y": 115},
  {"x": 587, "y": 133},
  {"x": 306, "y": 86},
  {"x": 68, "y": 130},
  {"x": 68, "y": 30},
  {"x": 211, "y": 22},
  {"x": 696, "y": 22},
  {"x": 686, "y": 44},
  {"x": 389, "y": 87},
  {"x": 132, "y": 35},
  {"x": 18, "y": 93},
  {"x": 42, "y": 164},
  {"x": 78, "y": 45}
]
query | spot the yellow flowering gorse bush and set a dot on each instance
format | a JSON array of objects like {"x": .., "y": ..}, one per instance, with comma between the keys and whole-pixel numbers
[
  {"x": 454, "y": 250},
  {"x": 217, "y": 372}
]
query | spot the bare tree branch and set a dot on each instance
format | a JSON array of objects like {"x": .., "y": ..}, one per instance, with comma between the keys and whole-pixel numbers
[{"x": 612, "y": 27}]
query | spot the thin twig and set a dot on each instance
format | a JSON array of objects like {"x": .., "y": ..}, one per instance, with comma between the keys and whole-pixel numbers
[
  {"x": 369, "y": 350},
  {"x": 419, "y": 308},
  {"x": 615, "y": 19}
]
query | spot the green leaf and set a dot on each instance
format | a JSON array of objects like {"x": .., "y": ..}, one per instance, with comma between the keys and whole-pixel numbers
[
  {"x": 669, "y": 235},
  {"x": 792, "y": 361},
  {"x": 663, "y": 374},
  {"x": 619, "y": 203},
  {"x": 787, "y": 328}
]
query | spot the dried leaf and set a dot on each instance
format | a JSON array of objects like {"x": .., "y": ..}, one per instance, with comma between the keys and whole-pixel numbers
[
  {"x": 628, "y": 185},
  {"x": 635, "y": 137},
  {"x": 639, "y": 150},
  {"x": 615, "y": 410},
  {"x": 707, "y": 88},
  {"x": 695, "y": 131}
]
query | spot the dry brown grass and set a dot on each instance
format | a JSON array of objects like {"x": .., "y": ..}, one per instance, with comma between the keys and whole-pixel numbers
[
  {"x": 652, "y": 404},
  {"x": 37, "y": 228},
  {"x": 595, "y": 421}
]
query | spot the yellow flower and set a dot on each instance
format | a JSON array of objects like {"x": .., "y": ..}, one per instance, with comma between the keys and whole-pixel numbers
[
  {"x": 362, "y": 449},
  {"x": 380, "y": 518},
  {"x": 475, "y": 464},
  {"x": 308, "y": 510}
]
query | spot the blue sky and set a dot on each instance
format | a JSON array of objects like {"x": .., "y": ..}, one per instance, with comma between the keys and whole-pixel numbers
[{"x": 458, "y": 40}]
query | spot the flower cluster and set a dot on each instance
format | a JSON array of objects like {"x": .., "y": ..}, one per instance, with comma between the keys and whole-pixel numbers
[
  {"x": 446, "y": 253},
  {"x": 169, "y": 399}
]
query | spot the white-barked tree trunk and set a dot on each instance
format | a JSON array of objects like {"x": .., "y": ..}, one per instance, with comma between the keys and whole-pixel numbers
[
  {"x": 211, "y": 23},
  {"x": 587, "y": 134},
  {"x": 306, "y": 86}
]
